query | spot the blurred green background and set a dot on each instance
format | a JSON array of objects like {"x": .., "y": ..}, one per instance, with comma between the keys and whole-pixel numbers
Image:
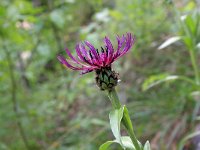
[{"x": 44, "y": 106}]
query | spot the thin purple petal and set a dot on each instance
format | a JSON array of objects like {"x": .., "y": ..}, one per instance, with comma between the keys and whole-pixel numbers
[
  {"x": 70, "y": 55},
  {"x": 128, "y": 42},
  {"x": 120, "y": 42},
  {"x": 110, "y": 48},
  {"x": 76, "y": 61},
  {"x": 65, "y": 63},
  {"x": 93, "y": 50}
]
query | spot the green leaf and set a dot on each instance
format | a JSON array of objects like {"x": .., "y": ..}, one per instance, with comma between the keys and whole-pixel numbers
[
  {"x": 188, "y": 42},
  {"x": 147, "y": 146},
  {"x": 191, "y": 25},
  {"x": 115, "y": 117},
  {"x": 157, "y": 79},
  {"x": 105, "y": 145},
  {"x": 128, "y": 123},
  {"x": 160, "y": 78},
  {"x": 169, "y": 42},
  {"x": 125, "y": 140}
]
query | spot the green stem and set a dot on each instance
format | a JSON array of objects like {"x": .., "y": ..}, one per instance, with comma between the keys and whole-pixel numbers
[
  {"x": 114, "y": 99},
  {"x": 194, "y": 65},
  {"x": 116, "y": 105},
  {"x": 192, "y": 49}
]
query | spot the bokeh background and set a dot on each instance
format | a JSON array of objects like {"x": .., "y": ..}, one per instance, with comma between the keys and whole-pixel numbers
[{"x": 44, "y": 106}]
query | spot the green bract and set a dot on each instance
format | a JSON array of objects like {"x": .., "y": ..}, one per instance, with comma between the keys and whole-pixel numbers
[{"x": 106, "y": 79}]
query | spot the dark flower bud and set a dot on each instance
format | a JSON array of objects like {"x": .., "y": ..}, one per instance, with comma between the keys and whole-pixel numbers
[{"x": 106, "y": 79}]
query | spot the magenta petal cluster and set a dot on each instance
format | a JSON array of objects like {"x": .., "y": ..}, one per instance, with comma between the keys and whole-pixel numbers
[{"x": 89, "y": 58}]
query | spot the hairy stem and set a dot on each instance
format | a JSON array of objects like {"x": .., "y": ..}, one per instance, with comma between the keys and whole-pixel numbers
[{"x": 116, "y": 105}]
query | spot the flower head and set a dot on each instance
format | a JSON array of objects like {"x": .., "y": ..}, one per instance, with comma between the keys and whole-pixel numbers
[{"x": 91, "y": 59}]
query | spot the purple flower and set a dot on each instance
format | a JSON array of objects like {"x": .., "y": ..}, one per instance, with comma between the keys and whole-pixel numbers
[{"x": 91, "y": 59}]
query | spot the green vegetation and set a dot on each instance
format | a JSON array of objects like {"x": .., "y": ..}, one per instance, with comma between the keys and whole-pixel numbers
[{"x": 44, "y": 106}]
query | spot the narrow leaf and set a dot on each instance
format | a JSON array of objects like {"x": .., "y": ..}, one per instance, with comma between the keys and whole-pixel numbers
[
  {"x": 157, "y": 79},
  {"x": 160, "y": 78},
  {"x": 192, "y": 135},
  {"x": 105, "y": 145},
  {"x": 169, "y": 42},
  {"x": 127, "y": 121},
  {"x": 128, "y": 124}
]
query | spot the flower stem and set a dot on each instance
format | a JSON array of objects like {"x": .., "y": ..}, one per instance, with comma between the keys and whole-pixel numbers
[
  {"x": 114, "y": 99},
  {"x": 116, "y": 105}
]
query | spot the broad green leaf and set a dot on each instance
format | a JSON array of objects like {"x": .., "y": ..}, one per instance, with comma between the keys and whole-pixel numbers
[
  {"x": 116, "y": 117},
  {"x": 169, "y": 42},
  {"x": 125, "y": 140},
  {"x": 115, "y": 120},
  {"x": 147, "y": 146}
]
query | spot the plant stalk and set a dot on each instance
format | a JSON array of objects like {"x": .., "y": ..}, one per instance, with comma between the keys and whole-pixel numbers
[
  {"x": 192, "y": 49},
  {"x": 14, "y": 100},
  {"x": 116, "y": 105},
  {"x": 194, "y": 65}
]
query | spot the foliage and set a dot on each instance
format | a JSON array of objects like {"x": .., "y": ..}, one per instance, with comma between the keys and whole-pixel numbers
[{"x": 58, "y": 109}]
